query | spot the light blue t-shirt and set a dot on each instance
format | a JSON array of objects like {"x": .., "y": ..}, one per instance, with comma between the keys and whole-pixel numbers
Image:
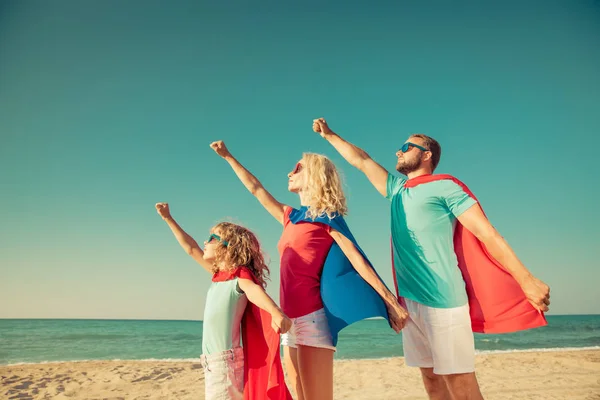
[
  {"x": 423, "y": 222},
  {"x": 223, "y": 312}
]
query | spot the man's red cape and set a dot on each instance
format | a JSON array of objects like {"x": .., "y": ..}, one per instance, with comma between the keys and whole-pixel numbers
[
  {"x": 263, "y": 373},
  {"x": 496, "y": 301}
]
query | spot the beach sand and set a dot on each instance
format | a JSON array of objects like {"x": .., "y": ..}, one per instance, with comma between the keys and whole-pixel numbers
[{"x": 526, "y": 375}]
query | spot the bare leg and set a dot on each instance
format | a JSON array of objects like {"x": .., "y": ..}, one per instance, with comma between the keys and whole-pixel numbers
[
  {"x": 316, "y": 372},
  {"x": 290, "y": 358},
  {"x": 435, "y": 385},
  {"x": 463, "y": 386}
]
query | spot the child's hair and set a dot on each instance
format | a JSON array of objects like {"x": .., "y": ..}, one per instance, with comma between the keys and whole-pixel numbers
[
  {"x": 323, "y": 186},
  {"x": 243, "y": 250}
]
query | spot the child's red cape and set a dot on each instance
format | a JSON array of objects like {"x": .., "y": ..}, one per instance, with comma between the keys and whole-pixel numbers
[
  {"x": 263, "y": 373},
  {"x": 496, "y": 301}
]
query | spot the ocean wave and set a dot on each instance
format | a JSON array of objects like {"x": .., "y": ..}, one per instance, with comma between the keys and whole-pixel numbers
[
  {"x": 535, "y": 350},
  {"x": 192, "y": 360},
  {"x": 197, "y": 360}
]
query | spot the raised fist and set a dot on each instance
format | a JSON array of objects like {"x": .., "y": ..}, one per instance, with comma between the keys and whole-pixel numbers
[{"x": 220, "y": 148}]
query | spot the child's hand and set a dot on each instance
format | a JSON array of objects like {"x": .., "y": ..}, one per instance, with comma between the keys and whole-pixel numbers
[{"x": 280, "y": 322}]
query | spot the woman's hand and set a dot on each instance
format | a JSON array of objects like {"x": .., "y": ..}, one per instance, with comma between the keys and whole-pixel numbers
[{"x": 398, "y": 315}]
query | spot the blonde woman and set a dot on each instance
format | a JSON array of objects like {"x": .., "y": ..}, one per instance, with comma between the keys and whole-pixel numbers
[
  {"x": 237, "y": 307},
  {"x": 327, "y": 282}
]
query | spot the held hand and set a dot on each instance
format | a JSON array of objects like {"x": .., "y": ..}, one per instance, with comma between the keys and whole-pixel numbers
[
  {"x": 163, "y": 210},
  {"x": 220, "y": 148},
  {"x": 280, "y": 322},
  {"x": 537, "y": 292},
  {"x": 398, "y": 315},
  {"x": 320, "y": 126}
]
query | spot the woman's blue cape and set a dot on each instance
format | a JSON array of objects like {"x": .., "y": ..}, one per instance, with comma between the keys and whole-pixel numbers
[{"x": 346, "y": 296}]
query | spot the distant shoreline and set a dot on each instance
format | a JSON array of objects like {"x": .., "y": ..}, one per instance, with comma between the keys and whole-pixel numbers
[
  {"x": 200, "y": 320},
  {"x": 197, "y": 360}
]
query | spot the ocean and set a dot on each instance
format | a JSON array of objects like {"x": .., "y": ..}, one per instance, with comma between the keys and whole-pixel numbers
[{"x": 46, "y": 340}]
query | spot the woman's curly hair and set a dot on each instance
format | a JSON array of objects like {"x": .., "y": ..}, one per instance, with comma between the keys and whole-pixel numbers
[
  {"x": 243, "y": 250},
  {"x": 323, "y": 187}
]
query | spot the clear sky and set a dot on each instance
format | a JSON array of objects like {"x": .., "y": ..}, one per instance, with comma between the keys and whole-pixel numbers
[{"x": 108, "y": 107}]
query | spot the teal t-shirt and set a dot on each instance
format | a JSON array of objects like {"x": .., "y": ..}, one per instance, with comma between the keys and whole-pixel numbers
[
  {"x": 423, "y": 222},
  {"x": 223, "y": 312}
]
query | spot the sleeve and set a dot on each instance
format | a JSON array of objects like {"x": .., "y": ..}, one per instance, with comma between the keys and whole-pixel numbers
[
  {"x": 456, "y": 199},
  {"x": 286, "y": 215},
  {"x": 394, "y": 184}
]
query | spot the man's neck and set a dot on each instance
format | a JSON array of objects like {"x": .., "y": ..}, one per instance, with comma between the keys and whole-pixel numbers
[{"x": 419, "y": 172}]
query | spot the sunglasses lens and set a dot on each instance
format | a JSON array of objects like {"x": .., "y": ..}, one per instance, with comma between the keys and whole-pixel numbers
[
  {"x": 297, "y": 168},
  {"x": 404, "y": 148}
]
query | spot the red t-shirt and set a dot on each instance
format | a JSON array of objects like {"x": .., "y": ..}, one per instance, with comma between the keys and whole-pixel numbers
[{"x": 303, "y": 248}]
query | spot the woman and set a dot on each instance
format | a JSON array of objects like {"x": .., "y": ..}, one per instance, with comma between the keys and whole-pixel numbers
[{"x": 316, "y": 235}]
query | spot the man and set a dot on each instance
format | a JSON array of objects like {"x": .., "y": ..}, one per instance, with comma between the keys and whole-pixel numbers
[{"x": 427, "y": 210}]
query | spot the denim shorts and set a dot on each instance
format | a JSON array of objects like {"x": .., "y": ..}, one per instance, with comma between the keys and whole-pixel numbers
[
  {"x": 223, "y": 374},
  {"x": 309, "y": 330}
]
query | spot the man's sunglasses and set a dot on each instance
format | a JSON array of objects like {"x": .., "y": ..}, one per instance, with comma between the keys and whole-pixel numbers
[
  {"x": 406, "y": 146},
  {"x": 214, "y": 236}
]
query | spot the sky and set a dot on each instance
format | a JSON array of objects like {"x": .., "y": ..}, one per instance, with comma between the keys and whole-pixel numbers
[{"x": 109, "y": 107}]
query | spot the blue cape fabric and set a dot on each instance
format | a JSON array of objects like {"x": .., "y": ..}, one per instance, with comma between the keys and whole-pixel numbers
[{"x": 346, "y": 296}]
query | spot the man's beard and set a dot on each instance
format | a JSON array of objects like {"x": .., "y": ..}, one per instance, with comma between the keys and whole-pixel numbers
[{"x": 406, "y": 167}]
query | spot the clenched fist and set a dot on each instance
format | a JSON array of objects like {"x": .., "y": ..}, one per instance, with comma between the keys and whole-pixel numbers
[
  {"x": 220, "y": 148},
  {"x": 320, "y": 126},
  {"x": 163, "y": 210}
]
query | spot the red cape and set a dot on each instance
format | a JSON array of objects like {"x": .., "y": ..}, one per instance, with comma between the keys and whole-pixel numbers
[
  {"x": 496, "y": 301},
  {"x": 263, "y": 372}
]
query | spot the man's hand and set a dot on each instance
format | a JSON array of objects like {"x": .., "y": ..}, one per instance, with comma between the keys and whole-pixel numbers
[
  {"x": 163, "y": 210},
  {"x": 398, "y": 315},
  {"x": 220, "y": 148},
  {"x": 537, "y": 292},
  {"x": 280, "y": 322},
  {"x": 320, "y": 126}
]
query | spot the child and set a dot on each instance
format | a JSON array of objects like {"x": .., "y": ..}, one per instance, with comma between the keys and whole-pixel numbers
[{"x": 236, "y": 297}]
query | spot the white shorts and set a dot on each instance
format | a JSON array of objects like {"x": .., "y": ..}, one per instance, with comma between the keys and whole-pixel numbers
[
  {"x": 309, "y": 330},
  {"x": 223, "y": 374},
  {"x": 439, "y": 338}
]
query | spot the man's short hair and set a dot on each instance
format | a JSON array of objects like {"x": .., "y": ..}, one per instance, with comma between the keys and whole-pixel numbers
[{"x": 433, "y": 146}]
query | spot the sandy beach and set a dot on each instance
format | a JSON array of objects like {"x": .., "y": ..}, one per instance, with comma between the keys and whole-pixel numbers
[{"x": 527, "y": 375}]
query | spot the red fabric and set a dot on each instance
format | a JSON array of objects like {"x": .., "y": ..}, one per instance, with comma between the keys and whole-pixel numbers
[
  {"x": 303, "y": 248},
  {"x": 497, "y": 302},
  {"x": 263, "y": 372},
  {"x": 240, "y": 272}
]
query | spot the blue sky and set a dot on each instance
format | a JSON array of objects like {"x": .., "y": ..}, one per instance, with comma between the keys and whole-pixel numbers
[{"x": 109, "y": 107}]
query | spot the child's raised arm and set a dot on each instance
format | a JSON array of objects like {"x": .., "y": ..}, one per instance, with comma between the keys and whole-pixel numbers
[
  {"x": 275, "y": 208},
  {"x": 186, "y": 241},
  {"x": 257, "y": 296}
]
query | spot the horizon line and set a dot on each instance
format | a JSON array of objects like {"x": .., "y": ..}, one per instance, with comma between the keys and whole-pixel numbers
[{"x": 195, "y": 320}]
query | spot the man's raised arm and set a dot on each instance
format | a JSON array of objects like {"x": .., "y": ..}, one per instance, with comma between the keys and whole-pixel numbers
[{"x": 356, "y": 156}]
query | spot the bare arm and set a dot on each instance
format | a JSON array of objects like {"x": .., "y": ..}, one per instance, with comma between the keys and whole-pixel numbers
[
  {"x": 537, "y": 292},
  {"x": 356, "y": 156},
  {"x": 257, "y": 296},
  {"x": 275, "y": 208},
  {"x": 189, "y": 245},
  {"x": 397, "y": 313}
]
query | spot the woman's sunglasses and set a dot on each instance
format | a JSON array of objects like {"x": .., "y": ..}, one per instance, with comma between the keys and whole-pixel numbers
[
  {"x": 406, "y": 146},
  {"x": 297, "y": 168},
  {"x": 214, "y": 236}
]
